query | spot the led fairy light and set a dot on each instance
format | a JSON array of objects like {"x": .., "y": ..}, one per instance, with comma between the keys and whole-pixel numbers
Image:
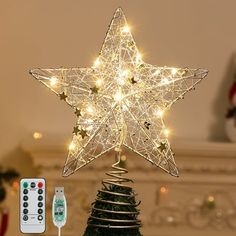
[
  {"x": 174, "y": 71},
  {"x": 165, "y": 80},
  {"x": 118, "y": 96},
  {"x": 125, "y": 29},
  {"x": 119, "y": 93},
  {"x": 53, "y": 81},
  {"x": 159, "y": 113},
  {"x": 99, "y": 82},
  {"x": 157, "y": 72},
  {"x": 166, "y": 132},
  {"x": 72, "y": 146},
  {"x": 138, "y": 58},
  {"x": 97, "y": 62},
  {"x": 122, "y": 78},
  {"x": 90, "y": 109}
]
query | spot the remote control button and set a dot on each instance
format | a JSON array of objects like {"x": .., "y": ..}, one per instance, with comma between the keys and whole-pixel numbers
[
  {"x": 40, "y": 198},
  {"x": 40, "y": 191},
  {"x": 25, "y": 217},
  {"x": 25, "y": 198},
  {"x": 33, "y": 185},
  {"x": 25, "y": 191},
  {"x": 40, "y": 204},
  {"x": 40, "y": 217},
  {"x": 25, "y": 211},
  {"x": 25, "y": 204},
  {"x": 25, "y": 185},
  {"x": 40, "y": 184},
  {"x": 40, "y": 211}
]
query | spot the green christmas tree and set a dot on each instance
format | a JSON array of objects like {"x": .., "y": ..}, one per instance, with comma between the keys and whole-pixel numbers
[{"x": 114, "y": 212}]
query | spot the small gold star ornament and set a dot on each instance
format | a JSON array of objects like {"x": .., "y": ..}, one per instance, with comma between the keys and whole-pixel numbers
[
  {"x": 83, "y": 133},
  {"x": 63, "y": 96},
  {"x": 76, "y": 130},
  {"x": 78, "y": 112},
  {"x": 94, "y": 90},
  {"x": 162, "y": 147},
  {"x": 120, "y": 101}
]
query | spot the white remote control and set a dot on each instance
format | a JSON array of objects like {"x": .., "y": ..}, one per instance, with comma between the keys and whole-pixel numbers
[{"x": 32, "y": 205}]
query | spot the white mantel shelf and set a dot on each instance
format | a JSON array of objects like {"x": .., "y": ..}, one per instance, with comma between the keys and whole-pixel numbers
[
  {"x": 191, "y": 157},
  {"x": 192, "y": 148},
  {"x": 206, "y": 168}
]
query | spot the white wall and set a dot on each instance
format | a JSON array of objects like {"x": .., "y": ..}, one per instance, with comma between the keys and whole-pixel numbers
[{"x": 56, "y": 33}]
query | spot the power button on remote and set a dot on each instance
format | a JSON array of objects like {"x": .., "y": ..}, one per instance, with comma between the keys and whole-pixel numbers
[{"x": 25, "y": 185}]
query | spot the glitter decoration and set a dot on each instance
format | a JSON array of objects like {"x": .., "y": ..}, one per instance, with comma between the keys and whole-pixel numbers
[{"x": 120, "y": 101}]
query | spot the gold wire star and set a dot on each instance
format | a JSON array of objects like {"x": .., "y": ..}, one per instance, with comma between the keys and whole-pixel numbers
[{"x": 123, "y": 113}]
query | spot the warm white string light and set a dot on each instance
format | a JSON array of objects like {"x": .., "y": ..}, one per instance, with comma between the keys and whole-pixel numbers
[
  {"x": 118, "y": 96},
  {"x": 125, "y": 29},
  {"x": 120, "y": 101},
  {"x": 71, "y": 146},
  {"x": 53, "y": 81},
  {"x": 97, "y": 62},
  {"x": 166, "y": 132},
  {"x": 99, "y": 82},
  {"x": 159, "y": 113}
]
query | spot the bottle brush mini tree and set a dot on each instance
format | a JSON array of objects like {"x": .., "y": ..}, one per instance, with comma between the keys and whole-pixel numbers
[{"x": 114, "y": 211}]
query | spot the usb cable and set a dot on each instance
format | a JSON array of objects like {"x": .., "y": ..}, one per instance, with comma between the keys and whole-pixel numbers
[{"x": 59, "y": 209}]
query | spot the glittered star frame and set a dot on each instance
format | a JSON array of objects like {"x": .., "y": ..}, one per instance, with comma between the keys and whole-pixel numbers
[{"x": 120, "y": 101}]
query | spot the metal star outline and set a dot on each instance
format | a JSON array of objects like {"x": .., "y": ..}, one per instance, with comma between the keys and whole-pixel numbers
[{"x": 120, "y": 113}]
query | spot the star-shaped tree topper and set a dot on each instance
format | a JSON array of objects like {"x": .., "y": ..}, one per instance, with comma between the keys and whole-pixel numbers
[{"x": 120, "y": 101}]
